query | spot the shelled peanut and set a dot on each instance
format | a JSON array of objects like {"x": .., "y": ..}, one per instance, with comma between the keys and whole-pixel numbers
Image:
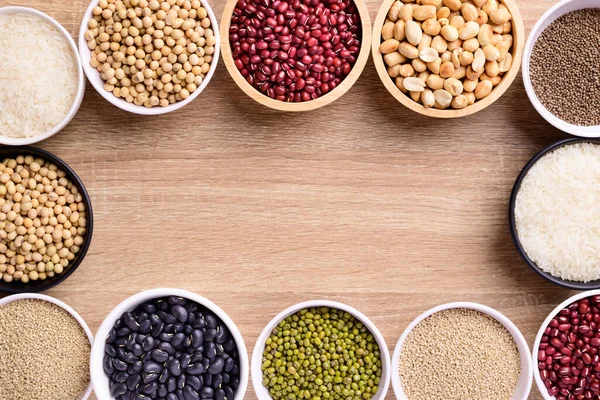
[{"x": 447, "y": 53}]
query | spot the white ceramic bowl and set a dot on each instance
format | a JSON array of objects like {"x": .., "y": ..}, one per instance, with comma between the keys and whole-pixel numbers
[
  {"x": 94, "y": 76},
  {"x": 523, "y": 386},
  {"x": 536, "y": 345},
  {"x": 563, "y": 7},
  {"x": 86, "y": 329},
  {"x": 99, "y": 378},
  {"x": 80, "y": 80},
  {"x": 263, "y": 394}
]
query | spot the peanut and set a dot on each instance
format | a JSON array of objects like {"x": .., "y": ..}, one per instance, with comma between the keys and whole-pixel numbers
[
  {"x": 492, "y": 68},
  {"x": 447, "y": 69},
  {"x": 443, "y": 12},
  {"x": 485, "y": 35},
  {"x": 415, "y": 96},
  {"x": 435, "y": 82},
  {"x": 400, "y": 30},
  {"x": 457, "y": 21},
  {"x": 484, "y": 88},
  {"x": 428, "y": 54},
  {"x": 414, "y": 84},
  {"x": 443, "y": 98},
  {"x": 408, "y": 50},
  {"x": 491, "y": 52},
  {"x": 427, "y": 98},
  {"x": 394, "y": 58},
  {"x": 470, "y": 85},
  {"x": 465, "y": 58},
  {"x": 460, "y": 72},
  {"x": 389, "y": 46},
  {"x": 470, "y": 97},
  {"x": 453, "y": 86},
  {"x": 431, "y": 27},
  {"x": 469, "y": 12},
  {"x": 505, "y": 64},
  {"x": 439, "y": 44},
  {"x": 455, "y": 45},
  {"x": 500, "y": 16},
  {"x": 468, "y": 30},
  {"x": 407, "y": 70},
  {"x": 387, "y": 32},
  {"x": 393, "y": 13},
  {"x": 453, "y": 5},
  {"x": 400, "y": 84},
  {"x": 425, "y": 42},
  {"x": 449, "y": 32},
  {"x": 435, "y": 65},
  {"x": 414, "y": 34},
  {"x": 395, "y": 70},
  {"x": 424, "y": 12},
  {"x": 419, "y": 65},
  {"x": 406, "y": 13},
  {"x": 478, "y": 61},
  {"x": 471, "y": 45},
  {"x": 482, "y": 17},
  {"x": 489, "y": 6},
  {"x": 459, "y": 102}
]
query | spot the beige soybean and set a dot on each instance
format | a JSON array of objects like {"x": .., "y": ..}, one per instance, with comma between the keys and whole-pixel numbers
[
  {"x": 459, "y": 354},
  {"x": 462, "y": 41},
  {"x": 43, "y": 220}
]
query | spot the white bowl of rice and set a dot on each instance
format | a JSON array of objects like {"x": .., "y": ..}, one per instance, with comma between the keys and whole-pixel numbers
[{"x": 41, "y": 79}]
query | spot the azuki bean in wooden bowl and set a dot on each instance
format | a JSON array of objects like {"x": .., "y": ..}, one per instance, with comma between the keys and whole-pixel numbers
[
  {"x": 516, "y": 50},
  {"x": 318, "y": 100}
]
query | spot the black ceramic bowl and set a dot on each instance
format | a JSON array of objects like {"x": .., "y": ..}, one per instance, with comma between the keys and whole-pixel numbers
[
  {"x": 41, "y": 285},
  {"x": 513, "y": 229}
]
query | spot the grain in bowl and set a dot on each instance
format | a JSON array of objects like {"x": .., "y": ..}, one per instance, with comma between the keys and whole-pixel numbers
[
  {"x": 40, "y": 79},
  {"x": 447, "y": 54},
  {"x": 556, "y": 211},
  {"x": 458, "y": 353}
]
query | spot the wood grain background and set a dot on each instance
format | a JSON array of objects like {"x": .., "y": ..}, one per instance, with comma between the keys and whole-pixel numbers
[{"x": 362, "y": 202}]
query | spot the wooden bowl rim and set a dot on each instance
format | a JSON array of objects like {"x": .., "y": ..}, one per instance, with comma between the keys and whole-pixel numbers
[
  {"x": 328, "y": 98},
  {"x": 497, "y": 92}
]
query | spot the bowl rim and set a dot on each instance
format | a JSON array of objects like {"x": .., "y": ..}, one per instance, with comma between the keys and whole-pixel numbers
[
  {"x": 67, "y": 308},
  {"x": 538, "y": 338},
  {"x": 98, "y": 377},
  {"x": 339, "y": 91},
  {"x": 497, "y": 92},
  {"x": 523, "y": 347},
  {"x": 556, "y": 11},
  {"x": 512, "y": 224},
  {"x": 78, "y": 98},
  {"x": 93, "y": 75},
  {"x": 17, "y": 287},
  {"x": 256, "y": 363}
]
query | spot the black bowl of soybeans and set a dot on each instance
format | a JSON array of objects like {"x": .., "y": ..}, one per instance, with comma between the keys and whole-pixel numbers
[
  {"x": 46, "y": 220},
  {"x": 168, "y": 344}
]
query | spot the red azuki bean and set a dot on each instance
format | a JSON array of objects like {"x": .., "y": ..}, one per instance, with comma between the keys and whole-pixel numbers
[{"x": 317, "y": 41}]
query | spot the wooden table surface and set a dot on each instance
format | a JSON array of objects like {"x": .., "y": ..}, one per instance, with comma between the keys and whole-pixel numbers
[{"x": 362, "y": 202}]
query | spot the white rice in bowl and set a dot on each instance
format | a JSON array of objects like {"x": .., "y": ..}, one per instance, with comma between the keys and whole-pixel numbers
[
  {"x": 38, "y": 76},
  {"x": 557, "y": 212}
]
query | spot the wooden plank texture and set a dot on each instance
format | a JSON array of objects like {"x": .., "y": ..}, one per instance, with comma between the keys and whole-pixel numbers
[{"x": 363, "y": 202}]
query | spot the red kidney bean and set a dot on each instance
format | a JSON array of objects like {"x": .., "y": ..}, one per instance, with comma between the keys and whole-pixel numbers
[
  {"x": 319, "y": 41},
  {"x": 569, "y": 351}
]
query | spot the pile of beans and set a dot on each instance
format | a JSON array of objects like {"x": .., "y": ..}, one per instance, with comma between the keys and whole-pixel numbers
[
  {"x": 42, "y": 220},
  {"x": 293, "y": 50},
  {"x": 569, "y": 352},
  {"x": 44, "y": 352},
  {"x": 151, "y": 53},
  {"x": 447, "y": 53},
  {"x": 321, "y": 353},
  {"x": 174, "y": 349}
]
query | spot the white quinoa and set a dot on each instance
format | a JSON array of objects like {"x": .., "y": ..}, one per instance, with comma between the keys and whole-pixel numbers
[
  {"x": 459, "y": 354},
  {"x": 44, "y": 352}
]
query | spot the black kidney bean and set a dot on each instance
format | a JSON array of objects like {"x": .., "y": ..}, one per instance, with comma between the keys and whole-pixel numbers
[
  {"x": 210, "y": 350},
  {"x": 195, "y": 382},
  {"x": 219, "y": 394},
  {"x": 181, "y": 382},
  {"x": 107, "y": 364},
  {"x": 146, "y": 326},
  {"x": 171, "y": 349},
  {"x": 174, "y": 367},
  {"x": 152, "y": 366},
  {"x": 207, "y": 392},
  {"x": 217, "y": 381},
  {"x": 162, "y": 390},
  {"x": 195, "y": 369},
  {"x": 133, "y": 382},
  {"x": 118, "y": 389},
  {"x": 172, "y": 384},
  {"x": 112, "y": 336},
  {"x": 150, "y": 388},
  {"x": 190, "y": 394},
  {"x": 120, "y": 376}
]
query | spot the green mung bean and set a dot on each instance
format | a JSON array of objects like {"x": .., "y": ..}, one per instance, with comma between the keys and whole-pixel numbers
[{"x": 321, "y": 354}]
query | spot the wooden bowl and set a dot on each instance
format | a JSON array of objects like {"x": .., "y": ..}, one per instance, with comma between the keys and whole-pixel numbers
[
  {"x": 519, "y": 38},
  {"x": 330, "y": 97}
]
